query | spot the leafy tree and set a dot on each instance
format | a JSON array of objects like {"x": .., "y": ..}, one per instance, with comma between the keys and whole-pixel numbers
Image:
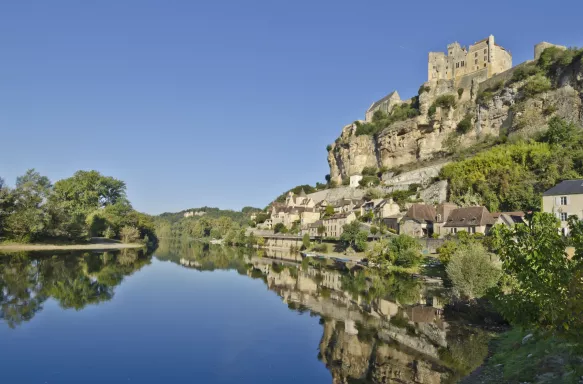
[
  {"x": 353, "y": 236},
  {"x": 472, "y": 270},
  {"x": 374, "y": 230},
  {"x": 129, "y": 234},
  {"x": 280, "y": 228},
  {"x": 306, "y": 241},
  {"x": 544, "y": 288},
  {"x": 29, "y": 218},
  {"x": 329, "y": 211},
  {"x": 446, "y": 251}
]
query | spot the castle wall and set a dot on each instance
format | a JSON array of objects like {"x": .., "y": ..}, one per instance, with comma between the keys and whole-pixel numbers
[{"x": 500, "y": 77}]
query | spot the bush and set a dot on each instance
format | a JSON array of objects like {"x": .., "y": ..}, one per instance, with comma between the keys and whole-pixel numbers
[
  {"x": 369, "y": 181},
  {"x": 535, "y": 85},
  {"x": 444, "y": 102},
  {"x": 431, "y": 111},
  {"x": 328, "y": 148},
  {"x": 346, "y": 180},
  {"x": 280, "y": 228},
  {"x": 524, "y": 72},
  {"x": 446, "y": 251},
  {"x": 423, "y": 88},
  {"x": 460, "y": 92},
  {"x": 323, "y": 247},
  {"x": 369, "y": 171},
  {"x": 109, "y": 233},
  {"x": 473, "y": 270},
  {"x": 129, "y": 234},
  {"x": 484, "y": 97},
  {"x": 465, "y": 125}
]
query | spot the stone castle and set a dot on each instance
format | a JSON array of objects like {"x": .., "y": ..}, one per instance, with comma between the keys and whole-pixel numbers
[
  {"x": 462, "y": 73},
  {"x": 483, "y": 56}
]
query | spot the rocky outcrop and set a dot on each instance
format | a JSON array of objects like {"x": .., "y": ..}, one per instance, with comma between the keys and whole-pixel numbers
[{"x": 424, "y": 138}]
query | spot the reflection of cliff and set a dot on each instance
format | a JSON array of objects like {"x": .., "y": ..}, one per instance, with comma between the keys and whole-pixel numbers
[{"x": 377, "y": 329}]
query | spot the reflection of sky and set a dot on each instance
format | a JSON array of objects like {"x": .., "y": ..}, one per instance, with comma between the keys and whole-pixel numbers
[{"x": 168, "y": 324}]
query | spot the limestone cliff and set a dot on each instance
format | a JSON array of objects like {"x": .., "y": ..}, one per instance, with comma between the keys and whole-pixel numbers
[{"x": 497, "y": 106}]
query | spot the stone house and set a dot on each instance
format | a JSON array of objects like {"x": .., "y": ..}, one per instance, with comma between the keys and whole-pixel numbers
[
  {"x": 563, "y": 200},
  {"x": 508, "y": 218},
  {"x": 335, "y": 223},
  {"x": 385, "y": 104},
  {"x": 345, "y": 205},
  {"x": 302, "y": 200},
  {"x": 469, "y": 219},
  {"x": 387, "y": 208},
  {"x": 392, "y": 222},
  {"x": 441, "y": 215},
  {"x": 313, "y": 228},
  {"x": 371, "y": 206},
  {"x": 418, "y": 221}
]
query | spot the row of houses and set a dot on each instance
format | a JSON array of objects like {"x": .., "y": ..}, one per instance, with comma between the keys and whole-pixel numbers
[{"x": 420, "y": 220}]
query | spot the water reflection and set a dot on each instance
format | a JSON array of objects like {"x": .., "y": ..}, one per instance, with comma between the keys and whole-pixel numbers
[
  {"x": 377, "y": 329},
  {"x": 74, "y": 280}
]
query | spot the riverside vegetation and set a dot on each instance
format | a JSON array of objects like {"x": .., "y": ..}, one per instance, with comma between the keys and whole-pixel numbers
[{"x": 72, "y": 210}]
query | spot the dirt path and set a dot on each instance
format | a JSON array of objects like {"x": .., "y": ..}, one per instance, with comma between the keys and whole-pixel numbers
[{"x": 70, "y": 247}]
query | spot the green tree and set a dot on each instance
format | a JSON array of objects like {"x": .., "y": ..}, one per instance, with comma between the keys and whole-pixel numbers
[
  {"x": 306, "y": 241},
  {"x": 279, "y": 228},
  {"x": 29, "y": 218},
  {"x": 473, "y": 270},
  {"x": 544, "y": 288},
  {"x": 129, "y": 234},
  {"x": 321, "y": 231},
  {"x": 329, "y": 211},
  {"x": 353, "y": 236}
]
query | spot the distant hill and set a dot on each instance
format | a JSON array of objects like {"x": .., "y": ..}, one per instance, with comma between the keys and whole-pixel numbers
[{"x": 240, "y": 217}]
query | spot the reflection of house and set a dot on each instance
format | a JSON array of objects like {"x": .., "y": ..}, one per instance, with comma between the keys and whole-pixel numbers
[
  {"x": 441, "y": 214},
  {"x": 469, "y": 219},
  {"x": 335, "y": 223},
  {"x": 418, "y": 221},
  {"x": 563, "y": 200}
]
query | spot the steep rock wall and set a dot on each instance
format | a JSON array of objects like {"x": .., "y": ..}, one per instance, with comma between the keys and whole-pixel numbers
[{"x": 424, "y": 138}]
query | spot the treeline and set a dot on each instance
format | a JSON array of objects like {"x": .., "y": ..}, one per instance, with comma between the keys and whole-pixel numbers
[
  {"x": 206, "y": 229},
  {"x": 75, "y": 209},
  {"x": 241, "y": 217}
]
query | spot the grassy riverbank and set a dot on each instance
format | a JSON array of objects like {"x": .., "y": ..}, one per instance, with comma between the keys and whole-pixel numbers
[
  {"x": 538, "y": 359},
  {"x": 93, "y": 244}
]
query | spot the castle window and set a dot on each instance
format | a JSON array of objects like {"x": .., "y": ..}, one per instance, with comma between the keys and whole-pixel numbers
[
  {"x": 485, "y": 50},
  {"x": 485, "y": 58},
  {"x": 476, "y": 61},
  {"x": 484, "y": 65},
  {"x": 476, "y": 54}
]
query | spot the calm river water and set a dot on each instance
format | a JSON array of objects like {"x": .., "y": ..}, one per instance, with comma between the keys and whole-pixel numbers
[{"x": 194, "y": 314}]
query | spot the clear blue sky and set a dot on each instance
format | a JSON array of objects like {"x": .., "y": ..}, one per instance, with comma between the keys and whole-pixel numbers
[{"x": 223, "y": 103}]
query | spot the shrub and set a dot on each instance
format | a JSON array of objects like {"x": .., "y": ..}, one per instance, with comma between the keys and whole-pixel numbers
[
  {"x": 369, "y": 171},
  {"x": 423, "y": 88},
  {"x": 346, "y": 180},
  {"x": 465, "y": 125},
  {"x": 368, "y": 181},
  {"x": 109, "y": 233},
  {"x": 460, "y": 92},
  {"x": 473, "y": 270},
  {"x": 535, "y": 85},
  {"x": 445, "y": 101},
  {"x": 484, "y": 97},
  {"x": 549, "y": 109},
  {"x": 323, "y": 247},
  {"x": 524, "y": 72},
  {"x": 306, "y": 241},
  {"x": 129, "y": 234},
  {"x": 431, "y": 111},
  {"x": 280, "y": 228},
  {"x": 328, "y": 148}
]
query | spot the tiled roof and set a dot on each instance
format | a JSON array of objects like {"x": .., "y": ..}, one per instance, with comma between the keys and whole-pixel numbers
[
  {"x": 421, "y": 213},
  {"x": 566, "y": 187},
  {"x": 469, "y": 217}
]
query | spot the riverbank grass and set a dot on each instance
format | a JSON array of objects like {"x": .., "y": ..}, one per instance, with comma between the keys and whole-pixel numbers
[{"x": 542, "y": 358}]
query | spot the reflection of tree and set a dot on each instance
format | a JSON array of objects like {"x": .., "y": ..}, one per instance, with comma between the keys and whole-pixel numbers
[
  {"x": 74, "y": 280},
  {"x": 20, "y": 296},
  {"x": 372, "y": 285}
]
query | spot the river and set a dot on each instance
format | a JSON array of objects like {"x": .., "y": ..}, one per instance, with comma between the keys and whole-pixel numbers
[{"x": 191, "y": 313}]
